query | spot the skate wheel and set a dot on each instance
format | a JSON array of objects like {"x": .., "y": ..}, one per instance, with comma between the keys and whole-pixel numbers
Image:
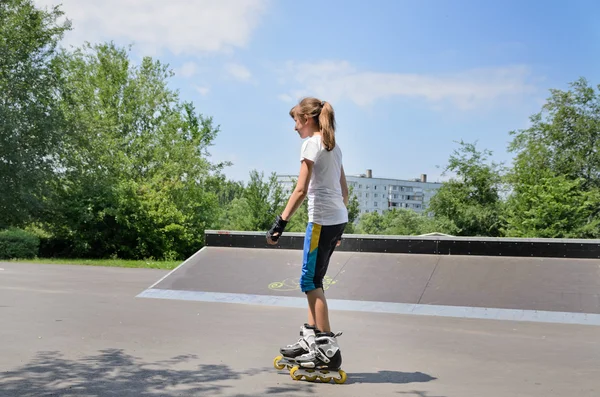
[
  {"x": 342, "y": 379},
  {"x": 293, "y": 373},
  {"x": 325, "y": 379},
  {"x": 311, "y": 378},
  {"x": 276, "y": 362}
]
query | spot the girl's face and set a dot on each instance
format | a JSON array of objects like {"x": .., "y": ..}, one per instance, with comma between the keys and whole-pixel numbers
[{"x": 302, "y": 126}]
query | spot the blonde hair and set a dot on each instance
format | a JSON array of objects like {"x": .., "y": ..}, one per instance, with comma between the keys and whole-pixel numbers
[{"x": 323, "y": 115}]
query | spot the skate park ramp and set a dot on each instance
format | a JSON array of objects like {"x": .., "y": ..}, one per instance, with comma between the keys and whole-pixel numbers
[{"x": 238, "y": 268}]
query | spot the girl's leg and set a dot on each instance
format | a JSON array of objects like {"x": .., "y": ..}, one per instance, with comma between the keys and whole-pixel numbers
[
  {"x": 318, "y": 312},
  {"x": 319, "y": 244}
]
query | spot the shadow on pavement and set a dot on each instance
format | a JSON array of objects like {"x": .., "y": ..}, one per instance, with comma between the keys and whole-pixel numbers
[
  {"x": 112, "y": 372},
  {"x": 392, "y": 377},
  {"x": 415, "y": 393},
  {"x": 115, "y": 373}
]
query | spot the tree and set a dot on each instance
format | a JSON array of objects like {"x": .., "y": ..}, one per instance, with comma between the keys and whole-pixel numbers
[
  {"x": 371, "y": 223},
  {"x": 31, "y": 122},
  {"x": 258, "y": 205},
  {"x": 238, "y": 216},
  {"x": 402, "y": 222},
  {"x": 353, "y": 211},
  {"x": 135, "y": 172},
  {"x": 554, "y": 207},
  {"x": 556, "y": 175},
  {"x": 266, "y": 199},
  {"x": 568, "y": 130},
  {"x": 300, "y": 219},
  {"x": 225, "y": 190},
  {"x": 471, "y": 201}
]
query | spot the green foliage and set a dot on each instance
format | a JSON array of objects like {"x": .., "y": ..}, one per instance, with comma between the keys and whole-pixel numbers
[
  {"x": 353, "y": 211},
  {"x": 256, "y": 206},
  {"x": 554, "y": 207},
  {"x": 402, "y": 222},
  {"x": 225, "y": 190},
  {"x": 300, "y": 219},
  {"x": 18, "y": 244},
  {"x": 127, "y": 263},
  {"x": 266, "y": 199},
  {"x": 556, "y": 174},
  {"x": 565, "y": 135},
  {"x": 134, "y": 177},
  {"x": 238, "y": 216},
  {"x": 30, "y": 121},
  {"x": 471, "y": 203}
]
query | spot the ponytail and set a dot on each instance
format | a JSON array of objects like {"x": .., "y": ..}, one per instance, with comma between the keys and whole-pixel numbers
[
  {"x": 324, "y": 116},
  {"x": 327, "y": 125}
]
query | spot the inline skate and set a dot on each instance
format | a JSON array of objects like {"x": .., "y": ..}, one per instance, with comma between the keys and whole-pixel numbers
[
  {"x": 323, "y": 360},
  {"x": 288, "y": 355}
]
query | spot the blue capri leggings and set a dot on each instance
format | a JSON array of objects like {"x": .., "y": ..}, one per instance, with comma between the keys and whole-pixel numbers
[{"x": 319, "y": 244}]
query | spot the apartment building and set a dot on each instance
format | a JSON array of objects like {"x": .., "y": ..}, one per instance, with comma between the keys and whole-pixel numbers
[{"x": 381, "y": 194}]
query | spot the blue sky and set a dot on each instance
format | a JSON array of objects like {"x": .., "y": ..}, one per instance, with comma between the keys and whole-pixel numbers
[{"x": 407, "y": 78}]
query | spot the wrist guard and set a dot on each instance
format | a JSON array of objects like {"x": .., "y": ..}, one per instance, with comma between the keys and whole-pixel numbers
[{"x": 278, "y": 227}]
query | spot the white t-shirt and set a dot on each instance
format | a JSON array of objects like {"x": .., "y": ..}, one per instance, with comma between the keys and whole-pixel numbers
[{"x": 325, "y": 200}]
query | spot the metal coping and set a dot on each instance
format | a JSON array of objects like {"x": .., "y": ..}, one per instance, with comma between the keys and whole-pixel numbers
[{"x": 433, "y": 245}]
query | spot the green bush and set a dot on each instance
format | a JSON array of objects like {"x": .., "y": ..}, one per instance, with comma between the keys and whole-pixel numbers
[{"x": 18, "y": 244}]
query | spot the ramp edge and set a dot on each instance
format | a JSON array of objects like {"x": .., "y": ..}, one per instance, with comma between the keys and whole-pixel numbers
[
  {"x": 197, "y": 253},
  {"x": 381, "y": 307},
  {"x": 432, "y": 245}
]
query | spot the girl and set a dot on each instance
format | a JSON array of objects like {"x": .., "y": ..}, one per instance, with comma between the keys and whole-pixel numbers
[{"x": 323, "y": 181}]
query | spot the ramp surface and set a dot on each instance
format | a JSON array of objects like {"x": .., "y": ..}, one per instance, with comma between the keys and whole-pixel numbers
[
  {"x": 550, "y": 284},
  {"x": 533, "y": 289}
]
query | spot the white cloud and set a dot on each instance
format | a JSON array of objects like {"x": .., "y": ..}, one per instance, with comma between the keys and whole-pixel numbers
[
  {"x": 285, "y": 98},
  {"x": 337, "y": 80},
  {"x": 186, "y": 70},
  {"x": 239, "y": 72},
  {"x": 202, "y": 90},
  {"x": 179, "y": 26}
]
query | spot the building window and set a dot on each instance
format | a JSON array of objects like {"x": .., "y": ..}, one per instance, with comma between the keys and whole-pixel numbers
[
  {"x": 375, "y": 204},
  {"x": 375, "y": 195}
]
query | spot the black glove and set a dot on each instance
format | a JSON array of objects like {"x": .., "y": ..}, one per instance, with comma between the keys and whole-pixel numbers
[{"x": 278, "y": 227}]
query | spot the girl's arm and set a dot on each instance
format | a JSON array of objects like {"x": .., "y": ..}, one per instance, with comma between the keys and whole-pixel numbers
[
  {"x": 344, "y": 187},
  {"x": 300, "y": 192}
]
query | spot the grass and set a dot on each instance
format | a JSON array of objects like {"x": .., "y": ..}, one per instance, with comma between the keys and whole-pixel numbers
[{"x": 142, "y": 264}]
